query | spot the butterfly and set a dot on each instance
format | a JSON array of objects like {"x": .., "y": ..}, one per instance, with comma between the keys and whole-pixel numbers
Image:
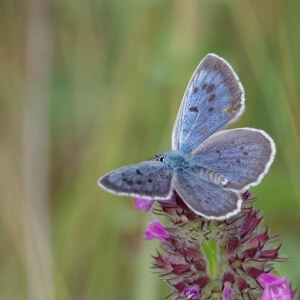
[{"x": 207, "y": 168}]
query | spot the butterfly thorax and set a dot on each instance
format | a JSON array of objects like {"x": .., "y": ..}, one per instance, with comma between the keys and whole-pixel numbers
[
  {"x": 176, "y": 160},
  {"x": 179, "y": 162}
]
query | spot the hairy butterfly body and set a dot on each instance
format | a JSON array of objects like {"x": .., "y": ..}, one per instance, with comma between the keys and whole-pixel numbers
[{"x": 208, "y": 169}]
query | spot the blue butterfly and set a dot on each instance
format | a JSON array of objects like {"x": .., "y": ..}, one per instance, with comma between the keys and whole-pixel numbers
[{"x": 208, "y": 169}]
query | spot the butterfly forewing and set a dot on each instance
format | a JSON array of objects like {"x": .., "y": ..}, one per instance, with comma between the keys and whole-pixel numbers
[
  {"x": 149, "y": 179},
  {"x": 242, "y": 155},
  {"x": 207, "y": 199},
  {"x": 214, "y": 98}
]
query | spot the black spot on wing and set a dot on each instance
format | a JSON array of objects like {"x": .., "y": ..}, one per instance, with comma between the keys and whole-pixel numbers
[
  {"x": 211, "y": 109},
  {"x": 195, "y": 90},
  {"x": 138, "y": 172},
  {"x": 193, "y": 108},
  {"x": 212, "y": 97},
  {"x": 164, "y": 176},
  {"x": 204, "y": 86},
  {"x": 210, "y": 88}
]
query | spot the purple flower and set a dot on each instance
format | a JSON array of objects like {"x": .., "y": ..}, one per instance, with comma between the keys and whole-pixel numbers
[
  {"x": 215, "y": 259},
  {"x": 228, "y": 292},
  {"x": 274, "y": 288},
  {"x": 191, "y": 292},
  {"x": 156, "y": 230},
  {"x": 141, "y": 203}
]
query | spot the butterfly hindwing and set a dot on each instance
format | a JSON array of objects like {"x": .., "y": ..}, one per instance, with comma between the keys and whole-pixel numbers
[
  {"x": 149, "y": 180},
  {"x": 214, "y": 98},
  {"x": 205, "y": 198},
  {"x": 242, "y": 155}
]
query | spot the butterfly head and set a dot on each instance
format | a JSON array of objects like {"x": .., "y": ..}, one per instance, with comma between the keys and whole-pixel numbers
[{"x": 159, "y": 157}]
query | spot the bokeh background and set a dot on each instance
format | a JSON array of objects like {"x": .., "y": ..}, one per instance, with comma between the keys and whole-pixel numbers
[{"x": 87, "y": 86}]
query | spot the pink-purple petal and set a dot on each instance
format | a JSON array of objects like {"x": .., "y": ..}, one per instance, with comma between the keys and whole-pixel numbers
[
  {"x": 146, "y": 204},
  {"x": 156, "y": 230},
  {"x": 228, "y": 292},
  {"x": 275, "y": 288},
  {"x": 191, "y": 292},
  {"x": 141, "y": 203},
  {"x": 172, "y": 200}
]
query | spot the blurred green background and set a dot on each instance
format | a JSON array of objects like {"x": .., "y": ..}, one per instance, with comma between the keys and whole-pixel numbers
[{"x": 89, "y": 86}]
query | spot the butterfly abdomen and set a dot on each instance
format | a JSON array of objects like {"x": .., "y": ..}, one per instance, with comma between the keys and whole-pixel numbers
[{"x": 210, "y": 176}]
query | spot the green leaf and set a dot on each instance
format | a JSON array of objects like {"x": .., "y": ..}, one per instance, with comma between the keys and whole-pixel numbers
[{"x": 211, "y": 253}]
